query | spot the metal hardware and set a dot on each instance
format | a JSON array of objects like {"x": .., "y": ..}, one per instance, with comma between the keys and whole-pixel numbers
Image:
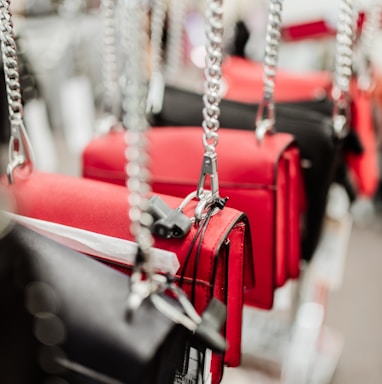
[
  {"x": 366, "y": 41},
  {"x": 168, "y": 222},
  {"x": 343, "y": 68},
  {"x": 157, "y": 84},
  {"x": 211, "y": 100},
  {"x": 20, "y": 149},
  {"x": 175, "y": 48},
  {"x": 134, "y": 120},
  {"x": 109, "y": 59},
  {"x": 206, "y": 328},
  {"x": 265, "y": 114}
]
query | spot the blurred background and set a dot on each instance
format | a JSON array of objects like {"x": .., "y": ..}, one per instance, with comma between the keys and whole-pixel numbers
[{"x": 61, "y": 49}]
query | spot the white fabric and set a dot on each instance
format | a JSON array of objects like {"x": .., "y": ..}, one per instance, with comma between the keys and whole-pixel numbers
[{"x": 105, "y": 247}]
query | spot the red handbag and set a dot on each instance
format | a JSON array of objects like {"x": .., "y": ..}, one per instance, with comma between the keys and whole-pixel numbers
[
  {"x": 261, "y": 178},
  {"x": 243, "y": 79},
  {"x": 224, "y": 268},
  {"x": 215, "y": 256}
]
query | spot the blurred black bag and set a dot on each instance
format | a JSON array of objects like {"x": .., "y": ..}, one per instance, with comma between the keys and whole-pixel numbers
[{"x": 63, "y": 315}]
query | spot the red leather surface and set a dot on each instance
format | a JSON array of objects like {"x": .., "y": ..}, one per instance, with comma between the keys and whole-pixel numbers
[
  {"x": 244, "y": 84},
  {"x": 247, "y": 174},
  {"x": 364, "y": 168},
  {"x": 102, "y": 208},
  {"x": 244, "y": 80}
]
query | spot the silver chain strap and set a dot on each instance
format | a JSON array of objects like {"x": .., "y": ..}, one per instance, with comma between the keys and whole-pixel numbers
[
  {"x": 158, "y": 17},
  {"x": 175, "y": 48},
  {"x": 109, "y": 58},
  {"x": 20, "y": 149},
  {"x": 265, "y": 114},
  {"x": 343, "y": 67},
  {"x": 156, "y": 86},
  {"x": 369, "y": 31},
  {"x": 213, "y": 74},
  {"x": 211, "y": 100},
  {"x": 134, "y": 120}
]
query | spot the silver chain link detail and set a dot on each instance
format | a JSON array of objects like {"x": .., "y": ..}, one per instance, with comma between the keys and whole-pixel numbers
[
  {"x": 109, "y": 57},
  {"x": 344, "y": 48},
  {"x": 265, "y": 114},
  {"x": 370, "y": 27},
  {"x": 20, "y": 150},
  {"x": 134, "y": 120},
  {"x": 365, "y": 45},
  {"x": 213, "y": 74},
  {"x": 156, "y": 86},
  {"x": 158, "y": 17},
  {"x": 343, "y": 67},
  {"x": 175, "y": 48}
]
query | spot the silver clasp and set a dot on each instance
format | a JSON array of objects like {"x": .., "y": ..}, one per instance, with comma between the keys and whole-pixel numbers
[
  {"x": 207, "y": 198},
  {"x": 20, "y": 151},
  {"x": 341, "y": 112}
]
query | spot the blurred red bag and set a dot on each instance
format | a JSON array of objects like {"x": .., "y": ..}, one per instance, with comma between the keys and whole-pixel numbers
[{"x": 312, "y": 90}]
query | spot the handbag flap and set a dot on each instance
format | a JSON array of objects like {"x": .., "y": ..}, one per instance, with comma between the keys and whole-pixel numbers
[{"x": 76, "y": 309}]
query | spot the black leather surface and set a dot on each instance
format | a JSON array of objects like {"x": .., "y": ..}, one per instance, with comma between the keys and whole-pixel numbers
[{"x": 55, "y": 302}]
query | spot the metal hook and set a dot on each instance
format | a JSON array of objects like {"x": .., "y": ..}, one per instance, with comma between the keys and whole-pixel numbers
[{"x": 20, "y": 151}]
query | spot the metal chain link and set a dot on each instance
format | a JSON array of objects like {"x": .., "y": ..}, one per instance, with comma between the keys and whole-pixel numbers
[
  {"x": 344, "y": 48},
  {"x": 265, "y": 114},
  {"x": 158, "y": 17},
  {"x": 343, "y": 67},
  {"x": 175, "y": 48},
  {"x": 134, "y": 120},
  {"x": 20, "y": 150},
  {"x": 109, "y": 57},
  {"x": 365, "y": 45},
  {"x": 156, "y": 86},
  {"x": 370, "y": 27},
  {"x": 213, "y": 74}
]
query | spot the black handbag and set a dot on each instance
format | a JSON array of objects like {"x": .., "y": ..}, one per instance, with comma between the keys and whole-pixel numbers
[{"x": 64, "y": 315}]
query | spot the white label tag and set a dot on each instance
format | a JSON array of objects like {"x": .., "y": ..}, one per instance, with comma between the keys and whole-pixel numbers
[
  {"x": 193, "y": 375},
  {"x": 95, "y": 244},
  {"x": 328, "y": 263}
]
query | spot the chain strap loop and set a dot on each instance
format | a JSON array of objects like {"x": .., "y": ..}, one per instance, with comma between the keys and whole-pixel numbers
[
  {"x": 369, "y": 31},
  {"x": 175, "y": 48},
  {"x": 109, "y": 58},
  {"x": 343, "y": 68},
  {"x": 265, "y": 115},
  {"x": 134, "y": 120},
  {"x": 212, "y": 72},
  {"x": 20, "y": 149},
  {"x": 156, "y": 85},
  {"x": 211, "y": 101}
]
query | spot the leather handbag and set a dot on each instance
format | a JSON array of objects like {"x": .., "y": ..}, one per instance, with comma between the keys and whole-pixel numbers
[
  {"x": 214, "y": 256},
  {"x": 321, "y": 147},
  {"x": 313, "y": 90},
  {"x": 64, "y": 317},
  {"x": 267, "y": 197}
]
